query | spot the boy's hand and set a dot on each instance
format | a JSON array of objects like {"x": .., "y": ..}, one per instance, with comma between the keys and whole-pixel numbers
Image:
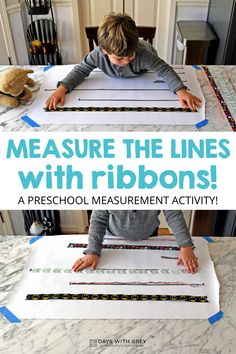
[
  {"x": 56, "y": 97},
  {"x": 188, "y": 258},
  {"x": 89, "y": 260},
  {"x": 188, "y": 100}
]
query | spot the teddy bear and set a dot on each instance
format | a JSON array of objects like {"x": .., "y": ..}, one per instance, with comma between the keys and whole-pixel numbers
[{"x": 12, "y": 86}]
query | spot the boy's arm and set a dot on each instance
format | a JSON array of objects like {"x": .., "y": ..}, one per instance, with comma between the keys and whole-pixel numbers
[
  {"x": 153, "y": 62},
  {"x": 97, "y": 229},
  {"x": 167, "y": 73},
  {"x": 176, "y": 222},
  {"x": 98, "y": 224},
  {"x": 188, "y": 100},
  {"x": 80, "y": 71}
]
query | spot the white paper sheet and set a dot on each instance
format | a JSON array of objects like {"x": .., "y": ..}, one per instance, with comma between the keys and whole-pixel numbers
[
  {"x": 48, "y": 270},
  {"x": 99, "y": 90}
]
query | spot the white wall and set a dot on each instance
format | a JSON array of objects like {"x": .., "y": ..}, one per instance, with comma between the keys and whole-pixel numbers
[
  {"x": 66, "y": 33},
  {"x": 160, "y": 13},
  {"x": 17, "y": 222},
  {"x": 3, "y": 49},
  {"x": 71, "y": 16},
  {"x": 16, "y": 20}
]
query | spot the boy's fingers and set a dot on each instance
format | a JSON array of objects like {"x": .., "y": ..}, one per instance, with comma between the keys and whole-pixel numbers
[
  {"x": 62, "y": 101},
  {"x": 80, "y": 266},
  {"x": 199, "y": 102},
  {"x": 193, "y": 265},
  {"x": 94, "y": 265},
  {"x": 50, "y": 104},
  {"x": 179, "y": 261},
  {"x": 183, "y": 104},
  {"x": 55, "y": 101},
  {"x": 192, "y": 105},
  {"x": 47, "y": 102},
  {"x": 189, "y": 267},
  {"x": 77, "y": 264}
]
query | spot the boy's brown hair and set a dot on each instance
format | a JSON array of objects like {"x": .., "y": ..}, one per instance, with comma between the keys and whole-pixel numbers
[{"x": 118, "y": 35}]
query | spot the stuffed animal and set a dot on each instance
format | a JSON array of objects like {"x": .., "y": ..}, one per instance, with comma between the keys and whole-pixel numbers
[{"x": 12, "y": 87}]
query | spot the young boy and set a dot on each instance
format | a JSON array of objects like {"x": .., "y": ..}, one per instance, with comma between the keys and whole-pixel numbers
[
  {"x": 122, "y": 54},
  {"x": 135, "y": 225}
]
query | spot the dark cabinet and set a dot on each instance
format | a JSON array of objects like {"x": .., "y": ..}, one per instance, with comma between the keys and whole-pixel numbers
[
  {"x": 196, "y": 43},
  {"x": 222, "y": 17}
]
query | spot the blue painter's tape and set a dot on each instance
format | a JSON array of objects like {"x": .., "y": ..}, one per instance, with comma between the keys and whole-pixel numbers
[
  {"x": 197, "y": 67},
  {"x": 208, "y": 239},
  {"x": 201, "y": 124},
  {"x": 30, "y": 121},
  {"x": 34, "y": 239},
  {"x": 9, "y": 315},
  {"x": 216, "y": 317},
  {"x": 48, "y": 67}
]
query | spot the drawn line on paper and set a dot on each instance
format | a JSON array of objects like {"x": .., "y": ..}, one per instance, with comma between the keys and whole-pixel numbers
[
  {"x": 6, "y": 110},
  {"x": 124, "y": 100},
  {"x": 163, "y": 82},
  {"x": 134, "y": 283},
  {"x": 146, "y": 72},
  {"x": 115, "y": 89}
]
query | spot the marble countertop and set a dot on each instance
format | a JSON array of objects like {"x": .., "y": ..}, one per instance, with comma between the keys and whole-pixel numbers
[
  {"x": 154, "y": 336},
  {"x": 224, "y": 76}
]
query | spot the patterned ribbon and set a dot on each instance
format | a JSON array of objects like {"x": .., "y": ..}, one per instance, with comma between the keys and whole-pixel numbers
[
  {"x": 118, "y": 109},
  {"x": 223, "y": 87},
  {"x": 111, "y": 271},
  {"x": 118, "y": 297},
  {"x": 128, "y": 247},
  {"x": 220, "y": 99}
]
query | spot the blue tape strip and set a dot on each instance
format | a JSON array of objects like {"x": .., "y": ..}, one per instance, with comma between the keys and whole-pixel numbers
[
  {"x": 207, "y": 238},
  {"x": 9, "y": 315},
  {"x": 216, "y": 317},
  {"x": 48, "y": 67},
  {"x": 30, "y": 121},
  {"x": 34, "y": 239},
  {"x": 201, "y": 124},
  {"x": 197, "y": 67}
]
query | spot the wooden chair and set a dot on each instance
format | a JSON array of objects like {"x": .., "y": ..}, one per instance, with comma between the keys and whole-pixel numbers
[{"x": 145, "y": 32}]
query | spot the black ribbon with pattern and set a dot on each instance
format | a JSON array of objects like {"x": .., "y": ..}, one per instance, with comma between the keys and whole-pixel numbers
[
  {"x": 117, "y": 297},
  {"x": 118, "y": 109},
  {"x": 128, "y": 247}
]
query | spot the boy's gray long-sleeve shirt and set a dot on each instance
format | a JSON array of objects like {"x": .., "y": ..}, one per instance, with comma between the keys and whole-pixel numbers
[
  {"x": 133, "y": 225},
  {"x": 146, "y": 58}
]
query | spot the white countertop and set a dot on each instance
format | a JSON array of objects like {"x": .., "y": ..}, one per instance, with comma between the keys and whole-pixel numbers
[
  {"x": 157, "y": 336},
  {"x": 225, "y": 77}
]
